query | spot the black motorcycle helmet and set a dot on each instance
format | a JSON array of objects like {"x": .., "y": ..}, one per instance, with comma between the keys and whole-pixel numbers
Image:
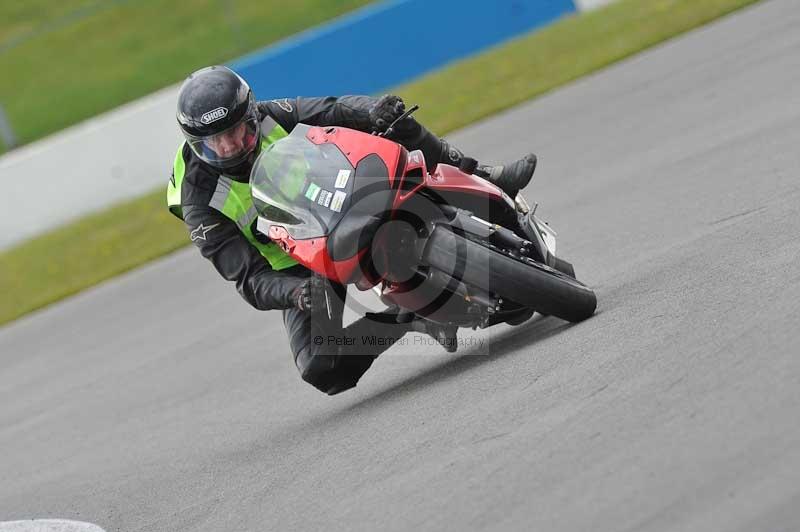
[{"x": 218, "y": 116}]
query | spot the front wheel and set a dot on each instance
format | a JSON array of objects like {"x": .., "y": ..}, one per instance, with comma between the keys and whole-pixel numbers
[{"x": 519, "y": 279}]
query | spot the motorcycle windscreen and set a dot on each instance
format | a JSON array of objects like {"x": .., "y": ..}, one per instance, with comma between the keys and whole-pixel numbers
[{"x": 301, "y": 186}]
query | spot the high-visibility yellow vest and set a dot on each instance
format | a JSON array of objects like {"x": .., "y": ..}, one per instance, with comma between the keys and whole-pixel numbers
[{"x": 232, "y": 198}]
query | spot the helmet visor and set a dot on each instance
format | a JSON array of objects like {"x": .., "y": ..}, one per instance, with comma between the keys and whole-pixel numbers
[{"x": 230, "y": 147}]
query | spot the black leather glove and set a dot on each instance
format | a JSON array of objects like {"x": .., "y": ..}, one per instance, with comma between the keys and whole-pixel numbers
[
  {"x": 385, "y": 111},
  {"x": 309, "y": 296}
]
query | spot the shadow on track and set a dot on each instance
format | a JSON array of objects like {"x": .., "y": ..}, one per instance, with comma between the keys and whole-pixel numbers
[
  {"x": 510, "y": 341},
  {"x": 332, "y": 419}
]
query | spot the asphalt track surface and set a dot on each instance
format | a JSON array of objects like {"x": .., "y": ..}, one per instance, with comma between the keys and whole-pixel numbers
[{"x": 159, "y": 401}]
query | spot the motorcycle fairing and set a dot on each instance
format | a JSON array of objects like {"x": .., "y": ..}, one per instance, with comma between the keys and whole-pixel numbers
[
  {"x": 313, "y": 254},
  {"x": 358, "y": 145},
  {"x": 384, "y": 176}
]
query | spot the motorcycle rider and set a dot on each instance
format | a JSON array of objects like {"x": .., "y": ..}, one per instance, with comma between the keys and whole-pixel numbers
[{"x": 225, "y": 128}]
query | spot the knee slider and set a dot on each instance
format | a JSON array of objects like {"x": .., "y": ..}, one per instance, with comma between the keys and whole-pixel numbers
[{"x": 322, "y": 373}]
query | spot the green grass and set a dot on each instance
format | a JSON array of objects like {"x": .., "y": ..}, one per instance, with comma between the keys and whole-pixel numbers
[
  {"x": 77, "y": 256},
  {"x": 81, "y": 254},
  {"x": 66, "y": 61},
  {"x": 537, "y": 63}
]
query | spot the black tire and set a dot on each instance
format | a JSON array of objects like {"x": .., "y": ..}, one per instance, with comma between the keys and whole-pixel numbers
[{"x": 523, "y": 281}]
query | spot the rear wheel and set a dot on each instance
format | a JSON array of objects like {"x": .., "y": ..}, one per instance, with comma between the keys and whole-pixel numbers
[{"x": 519, "y": 279}]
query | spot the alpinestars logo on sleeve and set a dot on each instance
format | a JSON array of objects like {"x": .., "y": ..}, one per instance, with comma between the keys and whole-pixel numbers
[
  {"x": 284, "y": 104},
  {"x": 201, "y": 231}
]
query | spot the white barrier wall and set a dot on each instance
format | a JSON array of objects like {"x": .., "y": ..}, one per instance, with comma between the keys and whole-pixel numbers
[
  {"x": 585, "y": 5},
  {"x": 110, "y": 158}
]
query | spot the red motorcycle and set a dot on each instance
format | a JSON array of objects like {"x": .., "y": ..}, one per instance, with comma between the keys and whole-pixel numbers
[{"x": 446, "y": 245}]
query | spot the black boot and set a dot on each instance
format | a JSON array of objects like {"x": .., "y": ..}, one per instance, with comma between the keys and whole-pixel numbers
[
  {"x": 444, "y": 334},
  {"x": 511, "y": 178}
]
